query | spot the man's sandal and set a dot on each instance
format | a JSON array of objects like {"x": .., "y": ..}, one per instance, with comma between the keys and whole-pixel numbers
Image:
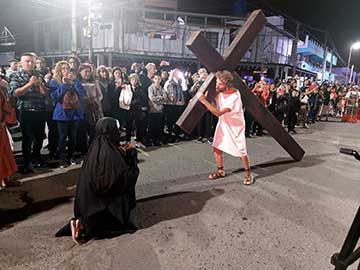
[
  {"x": 220, "y": 173},
  {"x": 249, "y": 180}
]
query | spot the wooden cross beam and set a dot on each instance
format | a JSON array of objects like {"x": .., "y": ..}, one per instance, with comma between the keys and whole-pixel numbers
[{"x": 213, "y": 61}]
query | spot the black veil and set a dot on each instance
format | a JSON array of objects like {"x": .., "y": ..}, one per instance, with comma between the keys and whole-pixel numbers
[{"x": 106, "y": 184}]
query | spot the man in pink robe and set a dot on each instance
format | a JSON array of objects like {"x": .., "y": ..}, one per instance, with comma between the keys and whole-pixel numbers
[{"x": 230, "y": 131}]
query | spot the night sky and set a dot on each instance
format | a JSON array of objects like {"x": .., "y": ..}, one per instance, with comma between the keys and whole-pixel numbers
[{"x": 340, "y": 17}]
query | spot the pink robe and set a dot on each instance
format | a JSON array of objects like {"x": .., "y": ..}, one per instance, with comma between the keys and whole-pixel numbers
[{"x": 230, "y": 131}]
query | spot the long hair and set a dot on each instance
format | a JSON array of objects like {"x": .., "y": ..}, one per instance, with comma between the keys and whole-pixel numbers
[
  {"x": 101, "y": 68},
  {"x": 135, "y": 76},
  {"x": 92, "y": 72},
  {"x": 225, "y": 76},
  {"x": 58, "y": 72}
]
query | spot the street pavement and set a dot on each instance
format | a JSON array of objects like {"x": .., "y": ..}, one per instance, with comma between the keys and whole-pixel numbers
[{"x": 295, "y": 216}]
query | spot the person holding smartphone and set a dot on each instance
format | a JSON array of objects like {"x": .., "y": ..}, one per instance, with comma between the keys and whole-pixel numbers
[
  {"x": 67, "y": 92},
  {"x": 30, "y": 91}
]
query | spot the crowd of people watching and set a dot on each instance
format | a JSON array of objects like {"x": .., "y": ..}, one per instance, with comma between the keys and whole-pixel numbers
[{"x": 70, "y": 97}]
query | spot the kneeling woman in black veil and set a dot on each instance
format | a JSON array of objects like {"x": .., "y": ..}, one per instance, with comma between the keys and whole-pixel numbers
[{"x": 105, "y": 193}]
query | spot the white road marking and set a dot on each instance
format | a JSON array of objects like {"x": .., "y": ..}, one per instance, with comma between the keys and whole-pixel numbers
[
  {"x": 176, "y": 146},
  {"x": 143, "y": 152}
]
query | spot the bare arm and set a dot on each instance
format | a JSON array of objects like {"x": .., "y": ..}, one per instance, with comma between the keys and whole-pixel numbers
[
  {"x": 43, "y": 89},
  {"x": 212, "y": 108},
  {"x": 33, "y": 81},
  {"x": 22, "y": 90}
]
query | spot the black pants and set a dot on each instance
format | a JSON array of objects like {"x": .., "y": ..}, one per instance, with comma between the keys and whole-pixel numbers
[
  {"x": 292, "y": 119},
  {"x": 257, "y": 128},
  {"x": 204, "y": 126},
  {"x": 53, "y": 136},
  {"x": 67, "y": 130},
  {"x": 156, "y": 127},
  {"x": 137, "y": 118},
  {"x": 249, "y": 122},
  {"x": 122, "y": 116},
  {"x": 172, "y": 114},
  {"x": 32, "y": 129},
  {"x": 279, "y": 116}
]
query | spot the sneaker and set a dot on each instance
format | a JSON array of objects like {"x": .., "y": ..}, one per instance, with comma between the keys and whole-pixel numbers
[
  {"x": 74, "y": 162},
  {"x": 29, "y": 169},
  {"x": 37, "y": 164},
  {"x": 306, "y": 126},
  {"x": 63, "y": 165},
  {"x": 156, "y": 143}
]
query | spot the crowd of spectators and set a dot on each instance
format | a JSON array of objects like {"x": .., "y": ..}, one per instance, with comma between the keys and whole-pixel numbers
[{"x": 63, "y": 103}]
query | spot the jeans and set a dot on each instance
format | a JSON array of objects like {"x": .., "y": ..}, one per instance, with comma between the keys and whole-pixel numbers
[
  {"x": 32, "y": 129},
  {"x": 67, "y": 130},
  {"x": 85, "y": 135}
]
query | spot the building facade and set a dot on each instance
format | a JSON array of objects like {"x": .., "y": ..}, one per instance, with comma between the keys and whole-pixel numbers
[
  {"x": 311, "y": 57},
  {"x": 124, "y": 33}
]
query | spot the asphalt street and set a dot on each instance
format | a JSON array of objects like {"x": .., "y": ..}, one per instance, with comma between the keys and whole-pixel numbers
[{"x": 295, "y": 216}]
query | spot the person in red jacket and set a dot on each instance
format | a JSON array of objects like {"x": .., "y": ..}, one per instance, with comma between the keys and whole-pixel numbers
[{"x": 7, "y": 162}]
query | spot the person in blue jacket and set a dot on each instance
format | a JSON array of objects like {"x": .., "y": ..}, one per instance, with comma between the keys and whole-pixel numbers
[{"x": 67, "y": 92}]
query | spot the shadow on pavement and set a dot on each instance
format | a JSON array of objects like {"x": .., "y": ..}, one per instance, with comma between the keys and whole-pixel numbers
[
  {"x": 7, "y": 217},
  {"x": 151, "y": 211},
  {"x": 280, "y": 165},
  {"x": 37, "y": 195}
]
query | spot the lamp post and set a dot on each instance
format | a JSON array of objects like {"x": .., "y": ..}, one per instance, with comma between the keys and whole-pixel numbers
[
  {"x": 90, "y": 29},
  {"x": 355, "y": 46}
]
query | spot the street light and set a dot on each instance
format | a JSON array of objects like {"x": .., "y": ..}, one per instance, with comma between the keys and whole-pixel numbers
[{"x": 355, "y": 46}]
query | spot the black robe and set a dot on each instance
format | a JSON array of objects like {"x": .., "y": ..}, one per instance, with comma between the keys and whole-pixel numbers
[{"x": 105, "y": 193}]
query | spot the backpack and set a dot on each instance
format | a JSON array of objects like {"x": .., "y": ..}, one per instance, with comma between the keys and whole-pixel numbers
[{"x": 70, "y": 100}]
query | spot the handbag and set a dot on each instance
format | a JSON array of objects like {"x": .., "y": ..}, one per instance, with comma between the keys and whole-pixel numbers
[
  {"x": 70, "y": 100},
  {"x": 125, "y": 98}
]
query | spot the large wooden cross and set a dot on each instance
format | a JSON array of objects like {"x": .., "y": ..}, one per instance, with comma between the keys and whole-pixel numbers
[{"x": 213, "y": 61}]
